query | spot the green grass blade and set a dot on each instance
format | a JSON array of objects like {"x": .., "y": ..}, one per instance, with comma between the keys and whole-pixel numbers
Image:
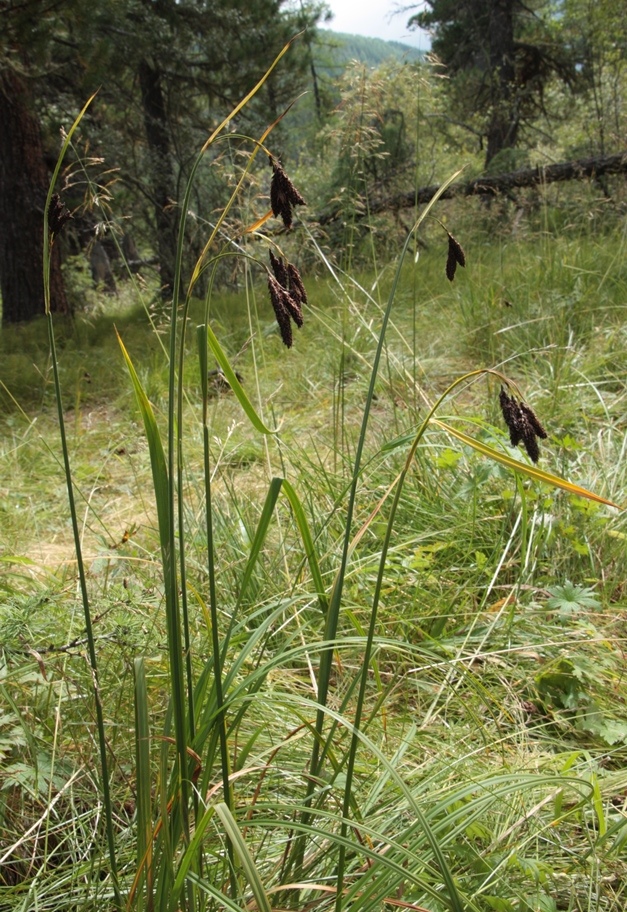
[
  {"x": 260, "y": 535},
  {"x": 155, "y": 448},
  {"x": 190, "y": 854},
  {"x": 143, "y": 787},
  {"x": 236, "y": 386},
  {"x": 201, "y": 338},
  {"x": 522, "y": 468},
  {"x": 310, "y": 552},
  {"x": 216, "y": 894},
  {"x": 246, "y": 859},
  {"x": 454, "y": 898},
  {"x": 160, "y": 479}
]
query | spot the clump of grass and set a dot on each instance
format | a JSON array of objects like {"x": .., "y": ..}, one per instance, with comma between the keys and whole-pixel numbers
[{"x": 350, "y": 685}]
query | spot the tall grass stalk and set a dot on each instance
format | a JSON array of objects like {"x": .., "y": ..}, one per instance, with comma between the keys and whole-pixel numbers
[
  {"x": 211, "y": 570},
  {"x": 193, "y": 846},
  {"x": 335, "y": 600},
  {"x": 89, "y": 631},
  {"x": 167, "y": 468}
]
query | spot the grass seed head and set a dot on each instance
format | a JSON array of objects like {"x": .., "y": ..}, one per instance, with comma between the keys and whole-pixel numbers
[
  {"x": 530, "y": 441},
  {"x": 290, "y": 288},
  {"x": 296, "y": 287},
  {"x": 523, "y": 424},
  {"x": 533, "y": 420},
  {"x": 58, "y": 214},
  {"x": 294, "y": 309},
  {"x": 456, "y": 256},
  {"x": 278, "y": 297},
  {"x": 279, "y": 270},
  {"x": 511, "y": 416},
  {"x": 283, "y": 194}
]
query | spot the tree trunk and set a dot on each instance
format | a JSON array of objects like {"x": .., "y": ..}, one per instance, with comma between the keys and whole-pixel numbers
[
  {"x": 493, "y": 185},
  {"x": 161, "y": 174},
  {"x": 504, "y": 121},
  {"x": 23, "y": 188}
]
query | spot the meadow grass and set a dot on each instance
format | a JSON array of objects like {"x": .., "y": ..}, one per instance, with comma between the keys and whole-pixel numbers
[{"x": 469, "y": 752}]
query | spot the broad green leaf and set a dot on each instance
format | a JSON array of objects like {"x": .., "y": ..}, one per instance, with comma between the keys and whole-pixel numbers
[
  {"x": 305, "y": 534},
  {"x": 234, "y": 383},
  {"x": 246, "y": 859}
]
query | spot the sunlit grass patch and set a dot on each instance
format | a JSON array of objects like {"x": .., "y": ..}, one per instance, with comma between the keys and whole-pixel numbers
[{"x": 343, "y": 650}]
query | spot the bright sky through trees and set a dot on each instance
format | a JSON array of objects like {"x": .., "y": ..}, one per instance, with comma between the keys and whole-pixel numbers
[{"x": 375, "y": 19}]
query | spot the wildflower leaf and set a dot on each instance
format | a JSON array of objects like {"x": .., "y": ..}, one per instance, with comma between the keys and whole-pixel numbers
[{"x": 569, "y": 599}]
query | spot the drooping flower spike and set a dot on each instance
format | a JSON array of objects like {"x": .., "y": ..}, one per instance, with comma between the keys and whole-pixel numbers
[
  {"x": 523, "y": 424},
  {"x": 283, "y": 194},
  {"x": 287, "y": 294}
]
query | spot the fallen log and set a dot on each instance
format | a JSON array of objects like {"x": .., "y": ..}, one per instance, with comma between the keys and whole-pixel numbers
[{"x": 492, "y": 185}]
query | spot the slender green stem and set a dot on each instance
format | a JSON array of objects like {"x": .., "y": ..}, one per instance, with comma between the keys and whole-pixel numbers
[
  {"x": 350, "y": 767},
  {"x": 332, "y": 618},
  {"x": 89, "y": 631},
  {"x": 213, "y": 601}
]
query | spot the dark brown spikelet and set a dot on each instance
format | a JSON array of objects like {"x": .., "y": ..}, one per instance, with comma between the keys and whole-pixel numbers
[
  {"x": 456, "y": 256},
  {"x": 511, "y": 415},
  {"x": 279, "y": 270},
  {"x": 58, "y": 214},
  {"x": 295, "y": 284},
  {"x": 278, "y": 297},
  {"x": 283, "y": 194},
  {"x": 294, "y": 309},
  {"x": 530, "y": 442},
  {"x": 523, "y": 424},
  {"x": 533, "y": 420},
  {"x": 287, "y": 293}
]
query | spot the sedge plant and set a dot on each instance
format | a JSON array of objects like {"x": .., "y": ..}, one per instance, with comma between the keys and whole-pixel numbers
[{"x": 203, "y": 820}]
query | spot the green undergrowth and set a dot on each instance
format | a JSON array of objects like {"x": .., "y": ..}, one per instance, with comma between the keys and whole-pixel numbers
[{"x": 494, "y": 719}]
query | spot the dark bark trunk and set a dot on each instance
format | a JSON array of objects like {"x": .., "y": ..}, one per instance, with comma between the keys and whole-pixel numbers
[
  {"x": 579, "y": 169},
  {"x": 161, "y": 173},
  {"x": 316, "y": 88},
  {"x": 504, "y": 121},
  {"x": 23, "y": 188}
]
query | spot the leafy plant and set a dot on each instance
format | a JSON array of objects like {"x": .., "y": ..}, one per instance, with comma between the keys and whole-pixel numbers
[
  {"x": 571, "y": 599},
  {"x": 329, "y": 705}
]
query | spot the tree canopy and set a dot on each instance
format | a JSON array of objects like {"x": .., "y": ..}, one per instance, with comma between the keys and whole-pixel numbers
[
  {"x": 500, "y": 55},
  {"x": 505, "y": 77},
  {"x": 165, "y": 71}
]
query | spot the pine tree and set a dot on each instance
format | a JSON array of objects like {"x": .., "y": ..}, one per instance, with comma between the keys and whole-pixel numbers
[
  {"x": 168, "y": 69},
  {"x": 500, "y": 55}
]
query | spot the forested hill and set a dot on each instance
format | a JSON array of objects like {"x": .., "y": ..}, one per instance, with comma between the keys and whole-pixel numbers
[{"x": 337, "y": 49}]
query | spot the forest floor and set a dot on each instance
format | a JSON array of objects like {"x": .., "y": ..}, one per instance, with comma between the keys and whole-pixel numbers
[{"x": 502, "y": 627}]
